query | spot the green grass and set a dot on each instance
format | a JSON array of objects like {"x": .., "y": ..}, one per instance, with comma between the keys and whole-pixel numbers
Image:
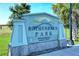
[
  {"x": 4, "y": 40},
  {"x": 67, "y": 34}
]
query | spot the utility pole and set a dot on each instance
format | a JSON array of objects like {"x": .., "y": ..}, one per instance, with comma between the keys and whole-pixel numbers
[{"x": 72, "y": 42}]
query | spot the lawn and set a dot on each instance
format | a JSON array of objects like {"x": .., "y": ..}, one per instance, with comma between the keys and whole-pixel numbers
[
  {"x": 5, "y": 38},
  {"x": 67, "y": 34}
]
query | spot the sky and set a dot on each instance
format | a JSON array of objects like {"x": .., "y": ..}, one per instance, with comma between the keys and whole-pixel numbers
[{"x": 35, "y": 8}]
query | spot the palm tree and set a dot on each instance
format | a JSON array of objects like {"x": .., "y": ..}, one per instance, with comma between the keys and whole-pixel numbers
[
  {"x": 17, "y": 11},
  {"x": 62, "y": 10}
]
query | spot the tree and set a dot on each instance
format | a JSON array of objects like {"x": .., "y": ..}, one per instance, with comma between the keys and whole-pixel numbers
[
  {"x": 62, "y": 10},
  {"x": 17, "y": 11}
]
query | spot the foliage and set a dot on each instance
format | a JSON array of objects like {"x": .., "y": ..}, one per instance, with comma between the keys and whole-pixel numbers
[
  {"x": 4, "y": 42},
  {"x": 17, "y": 11},
  {"x": 63, "y": 10}
]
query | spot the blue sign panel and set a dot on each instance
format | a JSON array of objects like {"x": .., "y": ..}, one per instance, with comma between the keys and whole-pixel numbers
[{"x": 43, "y": 31}]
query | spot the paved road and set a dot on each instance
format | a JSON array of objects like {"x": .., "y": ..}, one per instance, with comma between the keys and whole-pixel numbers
[{"x": 73, "y": 51}]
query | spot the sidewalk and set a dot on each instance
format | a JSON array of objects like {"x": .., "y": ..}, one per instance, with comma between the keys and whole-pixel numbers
[{"x": 73, "y": 51}]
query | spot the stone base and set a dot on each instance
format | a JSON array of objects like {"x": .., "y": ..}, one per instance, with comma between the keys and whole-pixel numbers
[{"x": 31, "y": 48}]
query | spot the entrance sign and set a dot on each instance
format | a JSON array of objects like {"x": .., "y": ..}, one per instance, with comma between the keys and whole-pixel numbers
[
  {"x": 42, "y": 32},
  {"x": 36, "y": 32}
]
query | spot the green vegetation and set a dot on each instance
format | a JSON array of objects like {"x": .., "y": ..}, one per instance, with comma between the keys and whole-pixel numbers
[
  {"x": 67, "y": 34},
  {"x": 4, "y": 40},
  {"x": 63, "y": 11},
  {"x": 17, "y": 11}
]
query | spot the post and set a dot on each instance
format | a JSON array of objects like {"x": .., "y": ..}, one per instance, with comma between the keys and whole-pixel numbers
[{"x": 72, "y": 42}]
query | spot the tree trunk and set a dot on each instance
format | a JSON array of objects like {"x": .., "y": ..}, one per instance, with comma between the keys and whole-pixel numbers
[{"x": 74, "y": 29}]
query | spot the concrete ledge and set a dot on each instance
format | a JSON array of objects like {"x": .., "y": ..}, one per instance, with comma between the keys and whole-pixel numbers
[{"x": 36, "y": 47}]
